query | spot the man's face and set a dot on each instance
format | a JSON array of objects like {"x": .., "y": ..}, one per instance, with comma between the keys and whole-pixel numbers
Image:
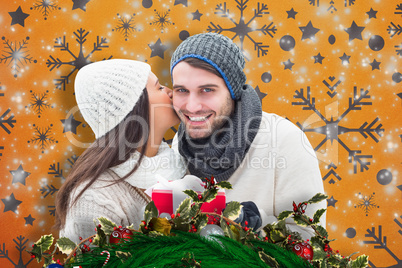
[{"x": 201, "y": 99}]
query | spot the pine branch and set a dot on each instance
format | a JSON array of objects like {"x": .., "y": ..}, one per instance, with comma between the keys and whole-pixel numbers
[
  {"x": 50, "y": 190},
  {"x": 241, "y": 5},
  {"x": 262, "y": 9},
  {"x": 100, "y": 43},
  {"x": 81, "y": 38},
  {"x": 215, "y": 28},
  {"x": 57, "y": 172},
  {"x": 20, "y": 244},
  {"x": 268, "y": 29},
  {"x": 52, "y": 210},
  {"x": 223, "y": 12},
  {"x": 9, "y": 121},
  {"x": 54, "y": 63},
  {"x": 394, "y": 30},
  {"x": 369, "y": 129},
  {"x": 305, "y": 100},
  {"x": 356, "y": 102},
  {"x": 357, "y": 158},
  {"x": 380, "y": 242},
  {"x": 72, "y": 160},
  {"x": 313, "y": 2},
  {"x": 261, "y": 49},
  {"x": 4, "y": 254}
]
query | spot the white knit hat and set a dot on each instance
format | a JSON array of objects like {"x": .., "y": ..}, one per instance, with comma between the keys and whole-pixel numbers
[{"x": 106, "y": 91}]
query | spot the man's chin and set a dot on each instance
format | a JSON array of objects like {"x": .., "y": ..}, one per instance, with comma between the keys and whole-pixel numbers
[{"x": 198, "y": 134}]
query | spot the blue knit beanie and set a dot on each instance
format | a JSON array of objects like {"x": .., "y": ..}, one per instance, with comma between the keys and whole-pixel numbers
[{"x": 219, "y": 51}]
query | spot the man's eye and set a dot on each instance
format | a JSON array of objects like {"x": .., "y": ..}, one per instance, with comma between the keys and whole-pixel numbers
[
  {"x": 207, "y": 90},
  {"x": 181, "y": 90}
]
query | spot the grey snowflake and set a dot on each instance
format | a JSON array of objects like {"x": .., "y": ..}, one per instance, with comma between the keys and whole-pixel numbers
[
  {"x": 332, "y": 128},
  {"x": 398, "y": 50},
  {"x": 20, "y": 245},
  {"x": 79, "y": 59},
  {"x": 16, "y": 55},
  {"x": 162, "y": 20},
  {"x": 243, "y": 29},
  {"x": 9, "y": 121},
  {"x": 43, "y": 137},
  {"x": 125, "y": 25},
  {"x": 52, "y": 210},
  {"x": 39, "y": 102},
  {"x": 45, "y": 6},
  {"x": 367, "y": 203}
]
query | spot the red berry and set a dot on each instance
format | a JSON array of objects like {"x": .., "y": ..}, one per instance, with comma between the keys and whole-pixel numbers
[
  {"x": 172, "y": 216},
  {"x": 114, "y": 228},
  {"x": 80, "y": 238},
  {"x": 32, "y": 256},
  {"x": 178, "y": 214},
  {"x": 90, "y": 240},
  {"x": 99, "y": 226},
  {"x": 303, "y": 211},
  {"x": 120, "y": 226},
  {"x": 246, "y": 222},
  {"x": 266, "y": 238},
  {"x": 246, "y": 229},
  {"x": 337, "y": 251}
]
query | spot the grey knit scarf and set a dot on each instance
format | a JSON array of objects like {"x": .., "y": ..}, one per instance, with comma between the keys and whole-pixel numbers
[{"x": 222, "y": 153}]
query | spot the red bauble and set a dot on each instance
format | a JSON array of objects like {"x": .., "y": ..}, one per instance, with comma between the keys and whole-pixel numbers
[
  {"x": 119, "y": 234},
  {"x": 304, "y": 250}
]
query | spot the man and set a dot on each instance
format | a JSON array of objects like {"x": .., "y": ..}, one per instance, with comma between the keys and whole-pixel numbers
[{"x": 224, "y": 132}]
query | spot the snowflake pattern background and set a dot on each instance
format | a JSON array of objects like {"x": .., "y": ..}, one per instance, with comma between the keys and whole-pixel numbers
[{"x": 332, "y": 67}]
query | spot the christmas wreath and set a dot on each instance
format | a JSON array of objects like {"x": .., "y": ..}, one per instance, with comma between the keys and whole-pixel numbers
[{"x": 193, "y": 238}]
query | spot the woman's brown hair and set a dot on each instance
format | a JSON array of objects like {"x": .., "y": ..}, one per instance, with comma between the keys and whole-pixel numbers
[{"x": 112, "y": 149}]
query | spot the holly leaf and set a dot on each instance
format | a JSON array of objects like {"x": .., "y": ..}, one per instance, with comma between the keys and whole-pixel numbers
[
  {"x": 321, "y": 230},
  {"x": 201, "y": 222},
  {"x": 277, "y": 236},
  {"x": 268, "y": 260},
  {"x": 123, "y": 256},
  {"x": 65, "y": 245},
  {"x": 45, "y": 242},
  {"x": 150, "y": 212},
  {"x": 100, "y": 238},
  {"x": 161, "y": 225},
  {"x": 48, "y": 260},
  {"x": 193, "y": 194},
  {"x": 107, "y": 225},
  {"x": 185, "y": 207},
  {"x": 232, "y": 210},
  {"x": 210, "y": 195},
  {"x": 194, "y": 210},
  {"x": 317, "y": 198},
  {"x": 285, "y": 214},
  {"x": 360, "y": 262},
  {"x": 224, "y": 185},
  {"x": 301, "y": 220},
  {"x": 318, "y": 214},
  {"x": 227, "y": 230}
]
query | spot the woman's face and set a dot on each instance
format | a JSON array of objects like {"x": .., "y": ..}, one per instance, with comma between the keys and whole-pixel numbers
[{"x": 162, "y": 114}]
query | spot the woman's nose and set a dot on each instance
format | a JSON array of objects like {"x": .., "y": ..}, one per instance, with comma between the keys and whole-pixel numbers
[{"x": 168, "y": 91}]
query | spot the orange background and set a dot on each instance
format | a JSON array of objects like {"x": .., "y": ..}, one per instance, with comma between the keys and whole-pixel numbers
[{"x": 361, "y": 200}]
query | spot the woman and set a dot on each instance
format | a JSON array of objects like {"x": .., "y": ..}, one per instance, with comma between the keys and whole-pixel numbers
[{"x": 129, "y": 112}]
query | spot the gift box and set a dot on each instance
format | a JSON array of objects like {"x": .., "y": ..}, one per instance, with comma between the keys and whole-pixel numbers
[{"x": 168, "y": 195}]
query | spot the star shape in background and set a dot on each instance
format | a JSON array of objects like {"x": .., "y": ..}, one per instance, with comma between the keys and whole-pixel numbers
[
  {"x": 288, "y": 64},
  {"x": 318, "y": 58},
  {"x": 80, "y": 4},
  {"x": 375, "y": 65},
  {"x": 355, "y": 32},
  {"x": 331, "y": 201},
  {"x": 183, "y": 2},
  {"x": 11, "y": 203},
  {"x": 158, "y": 49},
  {"x": 197, "y": 15},
  {"x": 309, "y": 31},
  {"x": 70, "y": 124},
  {"x": 291, "y": 14},
  {"x": 18, "y": 17},
  {"x": 19, "y": 175},
  {"x": 261, "y": 95},
  {"x": 29, "y": 220},
  {"x": 372, "y": 13},
  {"x": 345, "y": 58}
]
